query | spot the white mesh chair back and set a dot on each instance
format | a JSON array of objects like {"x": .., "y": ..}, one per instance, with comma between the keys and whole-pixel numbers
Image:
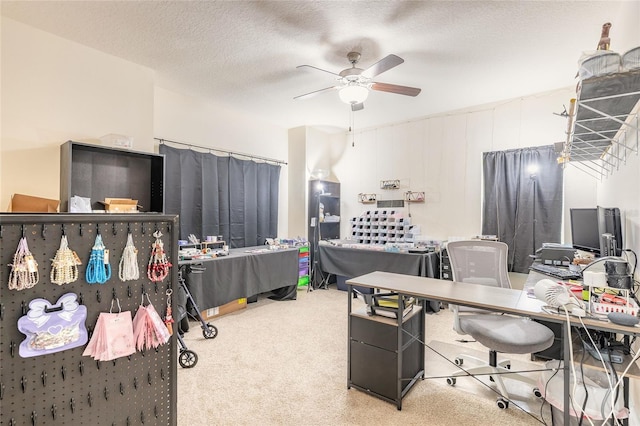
[{"x": 479, "y": 262}]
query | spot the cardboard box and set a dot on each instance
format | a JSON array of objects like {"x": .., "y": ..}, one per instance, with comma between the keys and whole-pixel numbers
[
  {"x": 120, "y": 205},
  {"x": 21, "y": 203},
  {"x": 227, "y": 308}
]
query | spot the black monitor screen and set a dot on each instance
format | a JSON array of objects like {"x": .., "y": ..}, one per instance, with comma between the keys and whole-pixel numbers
[
  {"x": 609, "y": 222},
  {"x": 584, "y": 230}
]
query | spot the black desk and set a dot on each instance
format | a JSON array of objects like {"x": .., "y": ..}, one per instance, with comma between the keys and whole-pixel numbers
[
  {"x": 243, "y": 274},
  {"x": 352, "y": 262}
]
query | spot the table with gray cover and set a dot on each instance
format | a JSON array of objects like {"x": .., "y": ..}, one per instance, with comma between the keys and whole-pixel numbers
[
  {"x": 242, "y": 273},
  {"x": 349, "y": 262}
]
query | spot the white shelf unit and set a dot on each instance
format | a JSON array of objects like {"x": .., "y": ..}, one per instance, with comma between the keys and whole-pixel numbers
[{"x": 603, "y": 126}]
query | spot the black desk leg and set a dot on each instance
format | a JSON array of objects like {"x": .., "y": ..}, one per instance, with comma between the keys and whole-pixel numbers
[{"x": 349, "y": 293}]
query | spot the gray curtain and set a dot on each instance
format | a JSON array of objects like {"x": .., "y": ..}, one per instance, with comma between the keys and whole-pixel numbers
[
  {"x": 517, "y": 201},
  {"x": 226, "y": 196}
]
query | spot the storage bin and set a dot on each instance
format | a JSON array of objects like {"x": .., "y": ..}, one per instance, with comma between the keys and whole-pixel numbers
[
  {"x": 600, "y": 63},
  {"x": 304, "y": 280},
  {"x": 598, "y": 400},
  {"x": 631, "y": 59}
]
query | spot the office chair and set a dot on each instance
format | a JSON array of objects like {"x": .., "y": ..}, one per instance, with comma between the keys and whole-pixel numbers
[{"x": 485, "y": 263}]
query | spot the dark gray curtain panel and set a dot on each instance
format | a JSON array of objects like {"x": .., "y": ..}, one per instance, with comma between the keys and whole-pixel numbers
[
  {"x": 214, "y": 195},
  {"x": 514, "y": 197}
]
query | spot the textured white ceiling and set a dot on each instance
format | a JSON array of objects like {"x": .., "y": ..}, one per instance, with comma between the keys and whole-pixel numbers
[{"x": 243, "y": 54}]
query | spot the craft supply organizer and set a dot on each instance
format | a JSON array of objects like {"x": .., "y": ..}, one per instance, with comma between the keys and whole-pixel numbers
[{"x": 66, "y": 388}]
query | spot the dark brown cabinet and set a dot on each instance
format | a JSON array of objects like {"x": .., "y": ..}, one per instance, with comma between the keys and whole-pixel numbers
[{"x": 386, "y": 355}]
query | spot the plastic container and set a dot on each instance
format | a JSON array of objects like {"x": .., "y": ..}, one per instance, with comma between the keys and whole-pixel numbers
[
  {"x": 599, "y": 63},
  {"x": 599, "y": 397},
  {"x": 631, "y": 59}
]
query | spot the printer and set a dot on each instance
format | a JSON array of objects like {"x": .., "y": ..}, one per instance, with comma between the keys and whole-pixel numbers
[{"x": 556, "y": 254}]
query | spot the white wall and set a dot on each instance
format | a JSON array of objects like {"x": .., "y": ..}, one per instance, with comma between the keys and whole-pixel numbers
[
  {"x": 297, "y": 190},
  {"x": 193, "y": 120},
  {"x": 622, "y": 189},
  {"x": 442, "y": 156},
  {"x": 54, "y": 90}
]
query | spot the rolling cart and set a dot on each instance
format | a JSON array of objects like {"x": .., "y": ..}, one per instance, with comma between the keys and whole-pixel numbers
[{"x": 187, "y": 357}]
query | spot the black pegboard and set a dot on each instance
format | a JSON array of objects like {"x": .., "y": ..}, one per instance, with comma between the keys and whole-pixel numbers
[{"x": 66, "y": 388}]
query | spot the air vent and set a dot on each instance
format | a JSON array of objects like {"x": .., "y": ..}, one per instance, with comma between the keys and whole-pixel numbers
[{"x": 390, "y": 203}]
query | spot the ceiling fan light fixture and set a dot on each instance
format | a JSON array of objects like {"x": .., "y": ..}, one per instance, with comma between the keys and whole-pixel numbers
[{"x": 353, "y": 94}]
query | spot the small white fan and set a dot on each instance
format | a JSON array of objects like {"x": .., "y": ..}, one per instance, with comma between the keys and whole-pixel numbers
[{"x": 554, "y": 294}]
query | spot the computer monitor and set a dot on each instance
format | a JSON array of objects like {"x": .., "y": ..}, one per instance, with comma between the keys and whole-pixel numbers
[
  {"x": 610, "y": 230},
  {"x": 584, "y": 230}
]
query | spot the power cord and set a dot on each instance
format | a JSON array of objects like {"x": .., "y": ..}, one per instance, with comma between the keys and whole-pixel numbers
[
  {"x": 613, "y": 390},
  {"x": 546, "y": 387}
]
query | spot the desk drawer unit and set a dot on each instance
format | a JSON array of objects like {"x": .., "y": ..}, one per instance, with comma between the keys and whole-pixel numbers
[{"x": 373, "y": 365}]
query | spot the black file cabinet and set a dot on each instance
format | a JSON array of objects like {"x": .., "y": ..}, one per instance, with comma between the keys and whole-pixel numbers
[
  {"x": 556, "y": 350},
  {"x": 384, "y": 360}
]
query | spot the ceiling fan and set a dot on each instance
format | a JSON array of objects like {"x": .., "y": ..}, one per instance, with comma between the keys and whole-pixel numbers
[{"x": 353, "y": 84}]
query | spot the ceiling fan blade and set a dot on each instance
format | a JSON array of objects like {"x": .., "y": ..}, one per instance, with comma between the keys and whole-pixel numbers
[
  {"x": 384, "y": 64},
  {"x": 319, "y": 69},
  {"x": 393, "y": 88},
  {"x": 317, "y": 92},
  {"x": 357, "y": 107}
]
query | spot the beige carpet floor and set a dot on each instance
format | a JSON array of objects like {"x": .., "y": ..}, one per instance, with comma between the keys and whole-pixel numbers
[{"x": 285, "y": 363}]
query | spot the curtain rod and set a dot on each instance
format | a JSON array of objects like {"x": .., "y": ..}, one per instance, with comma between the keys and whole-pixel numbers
[{"x": 251, "y": 156}]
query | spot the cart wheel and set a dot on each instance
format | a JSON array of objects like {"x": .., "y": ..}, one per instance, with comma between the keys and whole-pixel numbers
[
  {"x": 537, "y": 393},
  {"x": 210, "y": 331},
  {"x": 188, "y": 359},
  {"x": 451, "y": 381}
]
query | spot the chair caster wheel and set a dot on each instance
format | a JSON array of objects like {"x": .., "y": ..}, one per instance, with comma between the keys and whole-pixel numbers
[
  {"x": 537, "y": 393},
  {"x": 451, "y": 381},
  {"x": 502, "y": 403},
  {"x": 458, "y": 361}
]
